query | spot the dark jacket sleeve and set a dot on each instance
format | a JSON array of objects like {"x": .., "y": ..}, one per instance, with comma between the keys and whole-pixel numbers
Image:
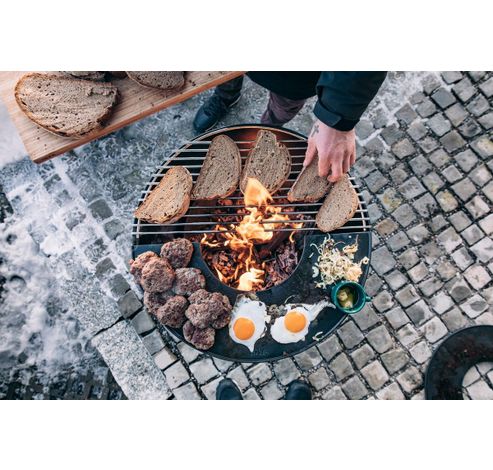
[{"x": 344, "y": 96}]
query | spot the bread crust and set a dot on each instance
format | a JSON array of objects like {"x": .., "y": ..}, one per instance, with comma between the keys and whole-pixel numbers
[
  {"x": 134, "y": 76},
  {"x": 321, "y": 186},
  {"x": 93, "y": 128}
]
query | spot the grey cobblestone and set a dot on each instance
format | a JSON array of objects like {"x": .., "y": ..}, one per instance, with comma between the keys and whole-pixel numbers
[
  {"x": 286, "y": 370},
  {"x": 383, "y": 301},
  {"x": 355, "y": 389},
  {"x": 203, "y": 370},
  {"x": 176, "y": 375},
  {"x": 434, "y": 330},
  {"x": 187, "y": 392},
  {"x": 319, "y": 379},
  {"x": 362, "y": 356},
  {"x": 259, "y": 374},
  {"x": 379, "y": 339},
  {"x": 394, "y": 360},
  {"x": 335, "y": 393},
  {"x": 375, "y": 375},
  {"x": 410, "y": 379},
  {"x": 271, "y": 391},
  {"x": 329, "y": 348},
  {"x": 341, "y": 367},
  {"x": 308, "y": 359},
  {"x": 391, "y": 392},
  {"x": 397, "y": 317},
  {"x": 164, "y": 358}
]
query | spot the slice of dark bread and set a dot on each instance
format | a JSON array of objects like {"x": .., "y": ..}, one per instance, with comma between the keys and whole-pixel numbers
[
  {"x": 339, "y": 206},
  {"x": 96, "y": 76},
  {"x": 169, "y": 200},
  {"x": 269, "y": 161},
  {"x": 161, "y": 80},
  {"x": 221, "y": 170},
  {"x": 65, "y": 106},
  {"x": 309, "y": 186}
]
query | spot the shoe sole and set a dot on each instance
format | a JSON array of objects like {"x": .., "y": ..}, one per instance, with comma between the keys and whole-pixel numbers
[{"x": 234, "y": 103}]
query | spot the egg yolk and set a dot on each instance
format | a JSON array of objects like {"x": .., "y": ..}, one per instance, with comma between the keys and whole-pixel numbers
[
  {"x": 244, "y": 328},
  {"x": 294, "y": 321}
]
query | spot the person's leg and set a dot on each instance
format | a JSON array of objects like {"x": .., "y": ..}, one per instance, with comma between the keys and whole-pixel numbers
[
  {"x": 227, "y": 390},
  {"x": 280, "y": 110},
  {"x": 298, "y": 390},
  {"x": 224, "y": 97}
]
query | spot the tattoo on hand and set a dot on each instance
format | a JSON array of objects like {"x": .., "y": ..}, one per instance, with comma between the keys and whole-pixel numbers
[{"x": 314, "y": 130}]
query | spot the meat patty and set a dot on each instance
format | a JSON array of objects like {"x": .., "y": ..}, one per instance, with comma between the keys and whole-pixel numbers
[
  {"x": 188, "y": 280},
  {"x": 157, "y": 275},
  {"x": 201, "y": 338},
  {"x": 206, "y": 307},
  {"x": 154, "y": 300},
  {"x": 137, "y": 264},
  {"x": 172, "y": 313},
  {"x": 221, "y": 321},
  {"x": 178, "y": 252}
]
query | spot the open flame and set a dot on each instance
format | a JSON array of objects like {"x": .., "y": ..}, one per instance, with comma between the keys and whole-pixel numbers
[{"x": 254, "y": 229}]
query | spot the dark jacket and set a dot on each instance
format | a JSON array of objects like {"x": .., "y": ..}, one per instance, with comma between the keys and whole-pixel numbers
[{"x": 342, "y": 96}]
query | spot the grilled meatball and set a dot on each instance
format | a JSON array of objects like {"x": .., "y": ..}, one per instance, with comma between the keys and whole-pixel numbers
[
  {"x": 188, "y": 280},
  {"x": 201, "y": 338},
  {"x": 157, "y": 276},
  {"x": 178, "y": 252},
  {"x": 154, "y": 300},
  {"x": 221, "y": 321},
  {"x": 137, "y": 264},
  {"x": 206, "y": 307},
  {"x": 172, "y": 313}
]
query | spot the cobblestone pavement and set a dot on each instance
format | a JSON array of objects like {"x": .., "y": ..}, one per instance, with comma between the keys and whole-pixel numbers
[{"x": 424, "y": 161}]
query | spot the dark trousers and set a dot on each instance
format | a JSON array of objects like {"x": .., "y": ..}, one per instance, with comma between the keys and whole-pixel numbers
[{"x": 279, "y": 110}]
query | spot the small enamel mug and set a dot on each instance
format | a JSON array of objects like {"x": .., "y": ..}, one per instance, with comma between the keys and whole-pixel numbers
[{"x": 360, "y": 296}]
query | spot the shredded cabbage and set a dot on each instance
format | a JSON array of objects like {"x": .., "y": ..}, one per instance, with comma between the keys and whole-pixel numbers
[{"x": 334, "y": 265}]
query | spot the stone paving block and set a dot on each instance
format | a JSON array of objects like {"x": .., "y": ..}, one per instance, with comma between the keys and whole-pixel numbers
[
  {"x": 420, "y": 165},
  {"x": 329, "y": 348},
  {"x": 396, "y": 317},
  {"x": 259, "y": 374},
  {"x": 251, "y": 394},
  {"x": 143, "y": 322},
  {"x": 417, "y": 130},
  {"x": 118, "y": 285},
  {"x": 483, "y": 146},
  {"x": 390, "y": 200},
  {"x": 286, "y": 371},
  {"x": 364, "y": 166},
  {"x": 319, "y": 379},
  {"x": 153, "y": 342},
  {"x": 429, "y": 286},
  {"x": 176, "y": 375},
  {"x": 407, "y": 296},
  {"x": 362, "y": 356},
  {"x": 271, "y": 391},
  {"x": 446, "y": 270},
  {"x": 187, "y": 392},
  {"x": 188, "y": 353},
  {"x": 481, "y": 175},
  {"x": 456, "y": 114},
  {"x": 382, "y": 261},
  {"x": 447, "y": 201},
  {"x": 418, "y": 272},
  {"x": 386, "y": 161},
  {"x": 308, "y": 359},
  {"x": 425, "y": 205},
  {"x": 409, "y": 258},
  {"x": 472, "y": 234},
  {"x": 487, "y": 224},
  {"x": 209, "y": 390},
  {"x": 483, "y": 250},
  {"x": 462, "y": 259},
  {"x": 238, "y": 376},
  {"x": 374, "y": 212},
  {"x": 406, "y": 114},
  {"x": 386, "y": 227},
  {"x": 113, "y": 228},
  {"x": 366, "y": 318},
  {"x": 395, "y": 279},
  {"x": 478, "y": 105},
  {"x": 407, "y": 335},
  {"x": 433, "y": 182},
  {"x": 477, "y": 276},
  {"x": 402, "y": 149},
  {"x": 398, "y": 241},
  {"x": 469, "y": 128},
  {"x": 464, "y": 89},
  {"x": 164, "y": 358},
  {"x": 458, "y": 289},
  {"x": 375, "y": 181},
  {"x": 451, "y": 77},
  {"x": 426, "y": 108},
  {"x": 394, "y": 360},
  {"x": 428, "y": 144},
  {"x": 405, "y": 215},
  {"x": 485, "y": 319},
  {"x": 335, "y": 393},
  {"x": 355, "y": 389},
  {"x": 474, "y": 306},
  {"x": 431, "y": 252},
  {"x": 364, "y": 129},
  {"x": 438, "y": 223},
  {"x": 399, "y": 174},
  {"x": 443, "y": 98},
  {"x": 439, "y": 158},
  {"x": 449, "y": 239},
  {"x": 460, "y": 221},
  {"x": 391, "y": 392},
  {"x": 452, "y": 141},
  {"x": 412, "y": 188},
  {"x": 421, "y": 352},
  {"x": 434, "y": 330},
  {"x": 129, "y": 304},
  {"x": 379, "y": 339},
  {"x": 467, "y": 160},
  {"x": 383, "y": 301},
  {"x": 341, "y": 367},
  {"x": 350, "y": 334},
  {"x": 454, "y": 319},
  {"x": 410, "y": 379},
  {"x": 100, "y": 210},
  {"x": 465, "y": 189},
  {"x": 441, "y": 302},
  {"x": 391, "y": 134},
  {"x": 223, "y": 365},
  {"x": 487, "y": 87},
  {"x": 373, "y": 284},
  {"x": 375, "y": 375},
  {"x": 439, "y": 125},
  {"x": 480, "y": 390},
  {"x": 203, "y": 370},
  {"x": 486, "y": 121}
]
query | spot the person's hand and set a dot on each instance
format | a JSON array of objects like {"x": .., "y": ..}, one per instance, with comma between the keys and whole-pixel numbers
[{"x": 336, "y": 150}]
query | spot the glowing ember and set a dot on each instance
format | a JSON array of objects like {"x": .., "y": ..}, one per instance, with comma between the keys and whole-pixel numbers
[{"x": 256, "y": 228}]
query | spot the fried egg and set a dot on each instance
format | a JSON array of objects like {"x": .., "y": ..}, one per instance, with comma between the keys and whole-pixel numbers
[
  {"x": 293, "y": 325},
  {"x": 248, "y": 319}
]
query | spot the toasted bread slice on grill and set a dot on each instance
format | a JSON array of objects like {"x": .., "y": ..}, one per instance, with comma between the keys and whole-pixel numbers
[
  {"x": 161, "y": 80},
  {"x": 269, "y": 161},
  {"x": 309, "y": 186},
  {"x": 221, "y": 170},
  {"x": 169, "y": 200},
  {"x": 65, "y": 105},
  {"x": 339, "y": 206}
]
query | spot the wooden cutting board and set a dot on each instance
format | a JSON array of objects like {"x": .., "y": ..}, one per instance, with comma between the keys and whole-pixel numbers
[{"x": 136, "y": 102}]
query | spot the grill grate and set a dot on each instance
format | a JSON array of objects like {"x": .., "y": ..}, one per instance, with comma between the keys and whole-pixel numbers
[{"x": 203, "y": 217}]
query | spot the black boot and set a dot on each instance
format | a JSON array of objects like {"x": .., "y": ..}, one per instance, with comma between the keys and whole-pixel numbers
[
  {"x": 225, "y": 96},
  {"x": 298, "y": 391},
  {"x": 227, "y": 390}
]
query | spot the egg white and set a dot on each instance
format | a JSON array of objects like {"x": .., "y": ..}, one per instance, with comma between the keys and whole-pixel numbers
[
  {"x": 255, "y": 311},
  {"x": 282, "y": 335}
]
